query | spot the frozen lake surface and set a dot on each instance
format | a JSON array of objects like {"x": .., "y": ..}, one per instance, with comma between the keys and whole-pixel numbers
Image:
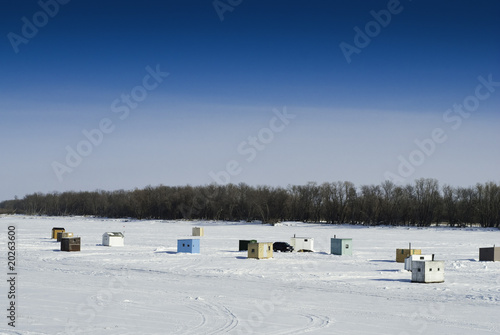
[{"x": 146, "y": 287}]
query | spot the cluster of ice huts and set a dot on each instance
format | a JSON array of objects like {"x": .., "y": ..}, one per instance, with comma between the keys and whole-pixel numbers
[
  {"x": 423, "y": 268},
  {"x": 263, "y": 250},
  {"x": 426, "y": 269},
  {"x": 72, "y": 243},
  {"x": 117, "y": 239}
]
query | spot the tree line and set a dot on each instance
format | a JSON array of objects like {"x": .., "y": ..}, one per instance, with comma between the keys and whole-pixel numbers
[{"x": 421, "y": 203}]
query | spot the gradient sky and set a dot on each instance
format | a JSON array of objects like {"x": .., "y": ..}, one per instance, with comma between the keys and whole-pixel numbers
[{"x": 227, "y": 78}]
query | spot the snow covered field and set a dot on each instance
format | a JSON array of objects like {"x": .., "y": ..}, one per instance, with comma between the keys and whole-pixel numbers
[{"x": 145, "y": 287}]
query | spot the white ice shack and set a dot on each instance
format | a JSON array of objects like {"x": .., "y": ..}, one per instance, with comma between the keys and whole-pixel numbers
[
  {"x": 302, "y": 243},
  {"x": 427, "y": 271},
  {"x": 113, "y": 239},
  {"x": 410, "y": 259}
]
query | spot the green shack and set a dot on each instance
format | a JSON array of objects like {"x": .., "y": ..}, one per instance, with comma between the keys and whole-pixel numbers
[
  {"x": 341, "y": 246},
  {"x": 244, "y": 244}
]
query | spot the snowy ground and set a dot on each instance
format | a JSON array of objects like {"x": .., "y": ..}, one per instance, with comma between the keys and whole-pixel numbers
[{"x": 147, "y": 288}]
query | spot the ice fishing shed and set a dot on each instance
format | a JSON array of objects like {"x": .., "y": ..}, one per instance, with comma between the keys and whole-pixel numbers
[
  {"x": 243, "y": 244},
  {"x": 190, "y": 245},
  {"x": 491, "y": 254},
  {"x": 113, "y": 239},
  {"x": 198, "y": 231},
  {"x": 70, "y": 244},
  {"x": 427, "y": 272},
  {"x": 402, "y": 254},
  {"x": 302, "y": 243},
  {"x": 341, "y": 246},
  {"x": 410, "y": 259},
  {"x": 260, "y": 250},
  {"x": 66, "y": 234},
  {"x": 56, "y": 230}
]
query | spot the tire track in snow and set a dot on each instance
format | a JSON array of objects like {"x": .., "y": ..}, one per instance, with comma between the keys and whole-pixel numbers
[
  {"x": 315, "y": 322},
  {"x": 215, "y": 318}
]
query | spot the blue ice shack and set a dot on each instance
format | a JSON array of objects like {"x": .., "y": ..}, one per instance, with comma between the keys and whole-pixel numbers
[
  {"x": 191, "y": 246},
  {"x": 341, "y": 246}
]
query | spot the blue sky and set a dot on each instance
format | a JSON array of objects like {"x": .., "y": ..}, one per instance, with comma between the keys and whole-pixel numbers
[{"x": 354, "y": 121}]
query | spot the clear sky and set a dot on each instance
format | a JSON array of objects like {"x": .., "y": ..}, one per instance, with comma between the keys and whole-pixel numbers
[{"x": 254, "y": 91}]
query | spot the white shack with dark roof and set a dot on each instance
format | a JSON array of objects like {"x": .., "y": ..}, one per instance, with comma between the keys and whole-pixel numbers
[{"x": 113, "y": 239}]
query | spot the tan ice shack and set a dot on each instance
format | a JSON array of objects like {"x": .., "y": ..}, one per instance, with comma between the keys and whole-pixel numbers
[
  {"x": 401, "y": 254},
  {"x": 198, "y": 231},
  {"x": 260, "y": 250},
  {"x": 66, "y": 234}
]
